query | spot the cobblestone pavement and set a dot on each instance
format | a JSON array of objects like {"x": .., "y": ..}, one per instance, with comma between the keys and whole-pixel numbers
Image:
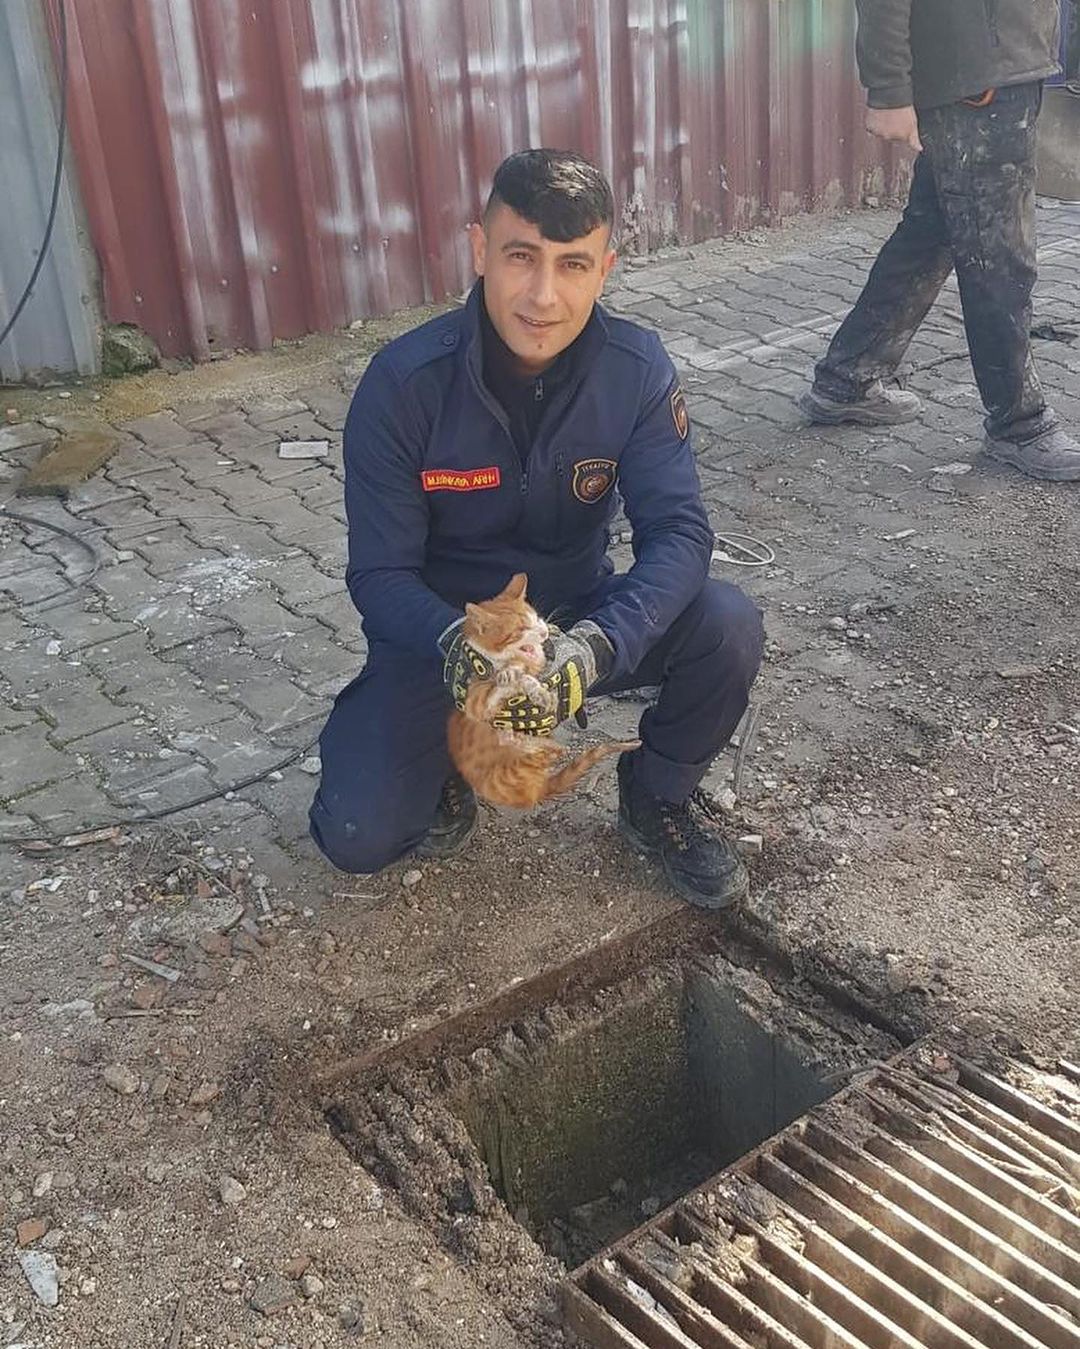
[{"x": 189, "y": 627}]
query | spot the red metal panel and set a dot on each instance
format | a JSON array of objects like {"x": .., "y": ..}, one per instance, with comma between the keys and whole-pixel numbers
[{"x": 256, "y": 169}]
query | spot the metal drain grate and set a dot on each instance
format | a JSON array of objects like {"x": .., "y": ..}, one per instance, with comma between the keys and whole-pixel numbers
[{"x": 927, "y": 1204}]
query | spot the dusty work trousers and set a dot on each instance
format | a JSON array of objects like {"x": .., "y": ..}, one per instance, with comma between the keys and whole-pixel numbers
[
  {"x": 972, "y": 207},
  {"x": 384, "y": 755}
]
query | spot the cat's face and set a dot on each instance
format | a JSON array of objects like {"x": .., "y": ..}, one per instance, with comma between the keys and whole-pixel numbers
[{"x": 507, "y": 629}]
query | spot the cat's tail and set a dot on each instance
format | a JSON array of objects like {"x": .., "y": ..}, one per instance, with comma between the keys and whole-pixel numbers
[{"x": 563, "y": 779}]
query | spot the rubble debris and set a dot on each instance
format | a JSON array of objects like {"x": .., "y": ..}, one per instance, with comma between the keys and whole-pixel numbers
[
  {"x": 153, "y": 967},
  {"x": 121, "y": 1079},
  {"x": 303, "y": 449},
  {"x": 274, "y": 1294},
  {"x": 41, "y": 1274},
  {"x": 31, "y": 1230},
  {"x": 231, "y": 1191}
]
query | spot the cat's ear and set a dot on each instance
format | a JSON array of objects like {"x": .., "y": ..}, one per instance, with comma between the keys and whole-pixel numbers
[
  {"x": 515, "y": 590},
  {"x": 475, "y": 615}
]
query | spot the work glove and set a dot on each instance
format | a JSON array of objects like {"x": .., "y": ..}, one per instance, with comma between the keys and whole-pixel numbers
[
  {"x": 579, "y": 659},
  {"x": 462, "y": 663}
]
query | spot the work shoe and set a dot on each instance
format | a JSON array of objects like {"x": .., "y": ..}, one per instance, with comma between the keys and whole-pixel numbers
[
  {"x": 701, "y": 866},
  {"x": 1054, "y": 455},
  {"x": 455, "y": 820},
  {"x": 879, "y": 406}
]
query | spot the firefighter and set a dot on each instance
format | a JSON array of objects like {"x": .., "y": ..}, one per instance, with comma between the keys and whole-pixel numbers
[{"x": 490, "y": 441}]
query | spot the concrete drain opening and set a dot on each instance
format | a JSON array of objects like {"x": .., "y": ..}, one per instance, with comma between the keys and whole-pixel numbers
[
  {"x": 929, "y": 1204},
  {"x": 538, "y": 1141},
  {"x": 670, "y": 1077}
]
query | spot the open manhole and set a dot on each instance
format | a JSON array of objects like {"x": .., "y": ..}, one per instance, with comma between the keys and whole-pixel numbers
[
  {"x": 582, "y": 1115},
  {"x": 704, "y": 1154}
]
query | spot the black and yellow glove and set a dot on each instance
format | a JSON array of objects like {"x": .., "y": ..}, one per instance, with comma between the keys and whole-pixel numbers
[
  {"x": 579, "y": 659},
  {"x": 462, "y": 663}
]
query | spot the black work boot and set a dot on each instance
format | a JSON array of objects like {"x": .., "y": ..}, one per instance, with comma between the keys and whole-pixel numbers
[
  {"x": 701, "y": 866},
  {"x": 455, "y": 820},
  {"x": 879, "y": 406}
]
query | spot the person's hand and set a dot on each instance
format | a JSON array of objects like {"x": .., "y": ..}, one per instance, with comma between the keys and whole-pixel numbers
[
  {"x": 462, "y": 663},
  {"x": 895, "y": 124},
  {"x": 579, "y": 659}
]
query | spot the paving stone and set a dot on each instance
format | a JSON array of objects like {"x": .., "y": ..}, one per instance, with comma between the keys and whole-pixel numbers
[
  {"x": 13, "y": 717},
  {"x": 270, "y": 407},
  {"x": 301, "y": 583},
  {"x": 234, "y": 749},
  {"x": 201, "y": 464},
  {"x": 178, "y": 786},
  {"x": 69, "y": 805},
  {"x": 329, "y": 403},
  {"x": 277, "y": 702},
  {"x": 338, "y": 612},
  {"x": 289, "y": 519},
  {"x": 132, "y": 594},
  {"x": 82, "y": 623},
  {"x": 316, "y": 654},
  {"x": 169, "y": 694},
  {"x": 37, "y": 585},
  {"x": 162, "y": 431},
  {"x": 245, "y": 492},
  {"x": 262, "y": 618},
  {"x": 133, "y": 462},
  {"x": 302, "y": 426},
  {"x": 225, "y": 659},
  {"x": 171, "y": 548},
  {"x": 98, "y": 491},
  {"x": 22, "y": 434},
  {"x": 75, "y": 706},
  {"x": 226, "y": 533},
  {"x": 27, "y": 760}
]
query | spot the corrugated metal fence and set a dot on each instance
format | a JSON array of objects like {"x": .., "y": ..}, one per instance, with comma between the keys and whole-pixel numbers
[
  {"x": 255, "y": 169},
  {"x": 57, "y": 329}
]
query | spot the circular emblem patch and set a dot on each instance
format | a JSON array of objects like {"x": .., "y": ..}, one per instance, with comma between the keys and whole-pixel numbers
[{"x": 593, "y": 478}]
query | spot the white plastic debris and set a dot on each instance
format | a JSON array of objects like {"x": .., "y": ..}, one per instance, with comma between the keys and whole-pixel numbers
[{"x": 955, "y": 470}]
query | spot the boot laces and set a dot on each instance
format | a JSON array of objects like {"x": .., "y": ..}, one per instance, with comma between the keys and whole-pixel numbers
[
  {"x": 453, "y": 796},
  {"x": 680, "y": 826}
]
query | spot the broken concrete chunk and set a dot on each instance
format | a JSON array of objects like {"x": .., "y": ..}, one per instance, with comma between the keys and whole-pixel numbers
[
  {"x": 303, "y": 449},
  {"x": 41, "y": 1274}
]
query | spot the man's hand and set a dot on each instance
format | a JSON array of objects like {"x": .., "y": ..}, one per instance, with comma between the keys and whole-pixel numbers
[
  {"x": 895, "y": 124},
  {"x": 462, "y": 663},
  {"x": 580, "y": 658}
]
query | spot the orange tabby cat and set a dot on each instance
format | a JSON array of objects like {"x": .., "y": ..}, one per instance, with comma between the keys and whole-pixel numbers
[{"x": 504, "y": 767}]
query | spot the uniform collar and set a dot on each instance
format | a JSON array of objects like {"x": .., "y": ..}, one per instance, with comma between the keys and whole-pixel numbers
[{"x": 580, "y": 354}]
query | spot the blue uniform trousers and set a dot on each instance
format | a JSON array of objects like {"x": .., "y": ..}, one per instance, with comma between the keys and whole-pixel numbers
[{"x": 384, "y": 755}]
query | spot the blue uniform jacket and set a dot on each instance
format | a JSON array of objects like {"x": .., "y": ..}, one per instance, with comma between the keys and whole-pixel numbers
[{"x": 441, "y": 510}]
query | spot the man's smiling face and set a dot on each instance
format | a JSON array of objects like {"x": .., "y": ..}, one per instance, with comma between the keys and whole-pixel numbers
[{"x": 538, "y": 293}]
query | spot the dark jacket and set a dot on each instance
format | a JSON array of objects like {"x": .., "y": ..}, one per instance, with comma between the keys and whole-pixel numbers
[
  {"x": 442, "y": 510},
  {"x": 932, "y": 52}
]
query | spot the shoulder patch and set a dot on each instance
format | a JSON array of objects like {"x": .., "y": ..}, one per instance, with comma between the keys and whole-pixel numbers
[{"x": 679, "y": 414}]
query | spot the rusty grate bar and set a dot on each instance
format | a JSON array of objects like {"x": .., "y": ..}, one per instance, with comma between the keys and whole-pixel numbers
[{"x": 927, "y": 1204}]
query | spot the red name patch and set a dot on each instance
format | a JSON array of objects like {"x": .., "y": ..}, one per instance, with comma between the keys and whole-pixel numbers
[{"x": 460, "y": 479}]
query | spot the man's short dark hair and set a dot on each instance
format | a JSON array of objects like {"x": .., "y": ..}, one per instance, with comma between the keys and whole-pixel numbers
[{"x": 558, "y": 191}]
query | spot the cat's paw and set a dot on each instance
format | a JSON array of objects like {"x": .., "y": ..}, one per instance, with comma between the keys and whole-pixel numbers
[{"x": 539, "y": 693}]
